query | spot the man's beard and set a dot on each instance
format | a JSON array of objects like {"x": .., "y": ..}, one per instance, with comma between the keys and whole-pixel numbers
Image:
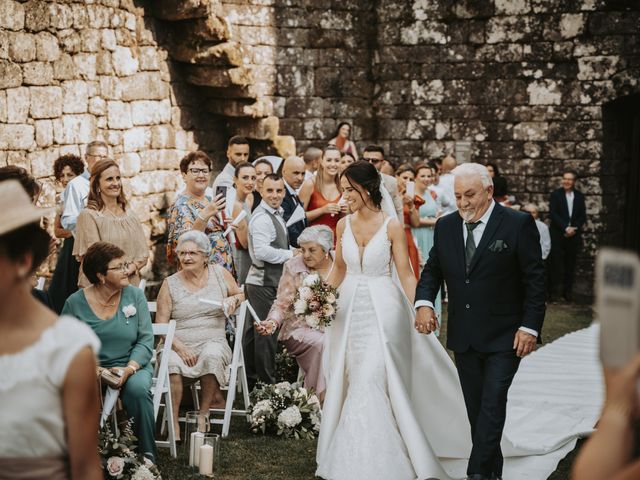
[{"x": 467, "y": 215}]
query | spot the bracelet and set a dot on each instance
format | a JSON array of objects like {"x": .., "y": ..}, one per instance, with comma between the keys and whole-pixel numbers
[{"x": 132, "y": 368}]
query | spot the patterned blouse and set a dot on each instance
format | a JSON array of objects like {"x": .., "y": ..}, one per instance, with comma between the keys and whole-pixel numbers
[{"x": 182, "y": 216}]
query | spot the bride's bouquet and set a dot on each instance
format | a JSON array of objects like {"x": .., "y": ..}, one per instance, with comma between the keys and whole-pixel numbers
[{"x": 315, "y": 302}]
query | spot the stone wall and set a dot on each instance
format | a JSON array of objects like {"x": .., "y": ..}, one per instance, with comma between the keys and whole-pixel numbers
[
  {"x": 73, "y": 72},
  {"x": 523, "y": 80}
]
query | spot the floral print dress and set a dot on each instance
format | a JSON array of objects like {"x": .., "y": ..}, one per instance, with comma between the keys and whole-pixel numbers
[{"x": 182, "y": 216}]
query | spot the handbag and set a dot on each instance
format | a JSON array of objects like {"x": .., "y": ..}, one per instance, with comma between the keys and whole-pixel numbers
[{"x": 109, "y": 378}]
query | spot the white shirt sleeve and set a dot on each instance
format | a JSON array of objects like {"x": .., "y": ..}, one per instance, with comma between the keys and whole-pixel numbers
[
  {"x": 74, "y": 198},
  {"x": 545, "y": 240},
  {"x": 262, "y": 234},
  {"x": 530, "y": 331},
  {"x": 424, "y": 303}
]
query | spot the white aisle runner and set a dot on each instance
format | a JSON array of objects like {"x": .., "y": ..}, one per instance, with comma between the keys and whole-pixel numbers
[{"x": 555, "y": 399}]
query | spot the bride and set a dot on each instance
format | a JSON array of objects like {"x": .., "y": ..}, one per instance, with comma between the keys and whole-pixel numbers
[{"x": 394, "y": 407}]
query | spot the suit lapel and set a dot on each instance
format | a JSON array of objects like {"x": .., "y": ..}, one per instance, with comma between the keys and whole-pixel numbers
[{"x": 489, "y": 232}]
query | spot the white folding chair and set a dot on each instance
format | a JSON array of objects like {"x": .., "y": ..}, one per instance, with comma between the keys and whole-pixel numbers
[
  {"x": 162, "y": 387},
  {"x": 143, "y": 284},
  {"x": 237, "y": 376},
  {"x": 40, "y": 285}
]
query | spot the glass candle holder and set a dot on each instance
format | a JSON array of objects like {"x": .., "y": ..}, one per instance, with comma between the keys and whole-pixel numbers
[
  {"x": 209, "y": 454},
  {"x": 196, "y": 426}
]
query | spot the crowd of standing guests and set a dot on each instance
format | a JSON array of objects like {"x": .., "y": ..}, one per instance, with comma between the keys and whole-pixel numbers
[{"x": 254, "y": 232}]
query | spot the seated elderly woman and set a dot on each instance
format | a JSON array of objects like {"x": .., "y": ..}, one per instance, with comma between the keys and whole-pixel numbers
[
  {"x": 302, "y": 341},
  {"x": 200, "y": 349},
  {"x": 118, "y": 314}
]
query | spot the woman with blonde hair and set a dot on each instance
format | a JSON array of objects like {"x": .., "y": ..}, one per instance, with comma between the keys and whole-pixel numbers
[{"x": 321, "y": 194}]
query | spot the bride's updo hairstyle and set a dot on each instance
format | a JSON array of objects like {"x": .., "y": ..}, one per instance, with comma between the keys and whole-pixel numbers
[{"x": 365, "y": 175}]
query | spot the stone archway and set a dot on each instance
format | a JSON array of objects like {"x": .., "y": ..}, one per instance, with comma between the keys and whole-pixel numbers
[{"x": 620, "y": 177}]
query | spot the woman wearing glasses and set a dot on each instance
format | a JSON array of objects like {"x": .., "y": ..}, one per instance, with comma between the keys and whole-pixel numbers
[
  {"x": 107, "y": 219},
  {"x": 200, "y": 349},
  {"x": 117, "y": 313},
  {"x": 195, "y": 210}
]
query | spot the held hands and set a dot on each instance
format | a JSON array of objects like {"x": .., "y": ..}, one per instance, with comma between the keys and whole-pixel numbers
[
  {"x": 426, "y": 320},
  {"x": 265, "y": 328},
  {"x": 524, "y": 343}
]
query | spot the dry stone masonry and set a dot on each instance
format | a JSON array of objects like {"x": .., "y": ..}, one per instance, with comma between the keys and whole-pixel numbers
[{"x": 534, "y": 85}]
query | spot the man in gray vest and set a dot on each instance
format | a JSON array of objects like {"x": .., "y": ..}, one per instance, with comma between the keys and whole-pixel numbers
[{"x": 269, "y": 250}]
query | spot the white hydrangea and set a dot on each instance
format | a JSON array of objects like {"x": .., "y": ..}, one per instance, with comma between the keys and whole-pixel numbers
[
  {"x": 284, "y": 385},
  {"x": 312, "y": 321},
  {"x": 315, "y": 420},
  {"x": 263, "y": 406},
  {"x": 290, "y": 417},
  {"x": 310, "y": 279},
  {"x": 143, "y": 473},
  {"x": 306, "y": 293},
  {"x": 299, "y": 306}
]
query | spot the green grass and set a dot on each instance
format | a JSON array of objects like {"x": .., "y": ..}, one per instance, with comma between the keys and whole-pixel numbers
[{"x": 245, "y": 456}]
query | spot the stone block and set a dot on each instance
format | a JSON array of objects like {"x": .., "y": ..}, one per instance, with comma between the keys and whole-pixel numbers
[
  {"x": 129, "y": 164},
  {"x": 85, "y": 65},
  {"x": 37, "y": 73},
  {"x": 42, "y": 163},
  {"x": 18, "y": 101},
  {"x": 22, "y": 47},
  {"x": 76, "y": 96},
  {"x": 12, "y": 15},
  {"x": 163, "y": 136},
  {"x": 150, "y": 58},
  {"x": 47, "y": 49},
  {"x": 36, "y": 15},
  {"x": 64, "y": 68},
  {"x": 44, "y": 133},
  {"x": 80, "y": 16},
  {"x": 144, "y": 86},
  {"x": 97, "y": 106},
  {"x": 46, "y": 102},
  {"x": 424, "y": 32},
  {"x": 61, "y": 16},
  {"x": 10, "y": 74},
  {"x": 572, "y": 25},
  {"x": 124, "y": 63},
  {"x": 119, "y": 115},
  {"x": 90, "y": 40},
  {"x": 597, "y": 68},
  {"x": 531, "y": 131},
  {"x": 99, "y": 16},
  {"x": 74, "y": 129},
  {"x": 545, "y": 92},
  {"x": 507, "y": 29},
  {"x": 512, "y": 7},
  {"x": 17, "y": 137},
  {"x": 427, "y": 93},
  {"x": 136, "y": 139},
  {"x": 3, "y": 106},
  {"x": 147, "y": 112}
]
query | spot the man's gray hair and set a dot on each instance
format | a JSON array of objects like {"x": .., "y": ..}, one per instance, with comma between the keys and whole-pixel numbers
[
  {"x": 474, "y": 170},
  {"x": 197, "y": 237},
  {"x": 320, "y": 234}
]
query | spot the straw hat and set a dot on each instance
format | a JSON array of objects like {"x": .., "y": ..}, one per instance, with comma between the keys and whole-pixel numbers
[{"x": 17, "y": 209}]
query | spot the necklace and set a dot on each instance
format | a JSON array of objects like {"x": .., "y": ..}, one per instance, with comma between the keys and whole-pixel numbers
[{"x": 104, "y": 304}]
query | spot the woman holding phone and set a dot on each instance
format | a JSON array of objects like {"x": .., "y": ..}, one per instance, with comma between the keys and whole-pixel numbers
[
  {"x": 194, "y": 210},
  {"x": 245, "y": 182}
]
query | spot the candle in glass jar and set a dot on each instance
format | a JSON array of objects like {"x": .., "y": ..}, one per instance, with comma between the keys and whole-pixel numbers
[
  {"x": 205, "y": 467},
  {"x": 197, "y": 439}
]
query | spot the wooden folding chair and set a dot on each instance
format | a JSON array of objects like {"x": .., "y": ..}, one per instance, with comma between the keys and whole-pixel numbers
[{"x": 162, "y": 387}]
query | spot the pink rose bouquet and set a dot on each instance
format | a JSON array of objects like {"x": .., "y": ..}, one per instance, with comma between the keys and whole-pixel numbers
[{"x": 315, "y": 302}]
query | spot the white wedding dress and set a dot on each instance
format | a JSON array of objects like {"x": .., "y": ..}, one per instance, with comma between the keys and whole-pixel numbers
[{"x": 394, "y": 407}]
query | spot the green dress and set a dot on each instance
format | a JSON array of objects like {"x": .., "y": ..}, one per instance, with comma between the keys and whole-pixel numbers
[{"x": 126, "y": 337}]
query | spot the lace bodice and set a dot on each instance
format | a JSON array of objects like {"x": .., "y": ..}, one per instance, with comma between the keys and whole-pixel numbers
[{"x": 376, "y": 255}]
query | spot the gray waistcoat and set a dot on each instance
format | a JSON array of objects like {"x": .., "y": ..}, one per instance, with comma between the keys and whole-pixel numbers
[{"x": 263, "y": 273}]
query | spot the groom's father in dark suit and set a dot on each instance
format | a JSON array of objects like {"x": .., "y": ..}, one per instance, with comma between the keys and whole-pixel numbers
[
  {"x": 568, "y": 214},
  {"x": 490, "y": 258},
  {"x": 293, "y": 172}
]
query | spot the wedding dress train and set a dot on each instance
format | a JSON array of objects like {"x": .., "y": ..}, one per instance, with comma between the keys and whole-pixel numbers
[{"x": 394, "y": 405}]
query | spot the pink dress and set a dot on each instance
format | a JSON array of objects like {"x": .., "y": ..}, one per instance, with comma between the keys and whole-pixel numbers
[{"x": 303, "y": 342}]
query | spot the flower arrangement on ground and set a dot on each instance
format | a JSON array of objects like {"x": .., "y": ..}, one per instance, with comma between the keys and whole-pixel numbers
[
  {"x": 119, "y": 459},
  {"x": 285, "y": 409},
  {"x": 315, "y": 302}
]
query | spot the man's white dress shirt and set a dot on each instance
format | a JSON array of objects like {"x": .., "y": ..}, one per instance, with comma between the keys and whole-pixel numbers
[
  {"x": 74, "y": 199},
  {"x": 263, "y": 233},
  {"x": 545, "y": 238}
]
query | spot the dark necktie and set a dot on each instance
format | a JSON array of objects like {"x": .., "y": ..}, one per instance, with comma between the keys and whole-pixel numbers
[{"x": 470, "y": 246}]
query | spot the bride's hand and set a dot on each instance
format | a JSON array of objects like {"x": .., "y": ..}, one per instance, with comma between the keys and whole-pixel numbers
[{"x": 426, "y": 320}]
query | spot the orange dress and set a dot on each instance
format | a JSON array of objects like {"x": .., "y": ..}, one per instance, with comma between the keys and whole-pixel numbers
[
  {"x": 414, "y": 258},
  {"x": 317, "y": 200}
]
